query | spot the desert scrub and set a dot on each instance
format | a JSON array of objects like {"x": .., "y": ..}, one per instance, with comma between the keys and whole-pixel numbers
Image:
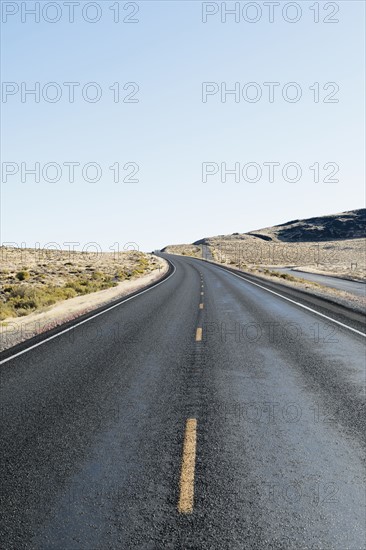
[
  {"x": 140, "y": 269},
  {"x": 30, "y": 282},
  {"x": 5, "y": 311},
  {"x": 22, "y": 275},
  {"x": 83, "y": 285},
  {"x": 144, "y": 264},
  {"x": 19, "y": 300},
  {"x": 121, "y": 275},
  {"x": 286, "y": 276},
  {"x": 289, "y": 277}
]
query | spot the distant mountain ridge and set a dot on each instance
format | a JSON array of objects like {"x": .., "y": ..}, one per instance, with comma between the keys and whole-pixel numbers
[
  {"x": 333, "y": 227},
  {"x": 331, "y": 245}
]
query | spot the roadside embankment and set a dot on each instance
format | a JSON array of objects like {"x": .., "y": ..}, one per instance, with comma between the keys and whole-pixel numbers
[{"x": 15, "y": 330}]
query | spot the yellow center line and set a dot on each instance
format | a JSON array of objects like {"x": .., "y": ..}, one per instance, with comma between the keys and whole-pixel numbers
[
  {"x": 198, "y": 334},
  {"x": 201, "y": 306},
  {"x": 186, "y": 493}
]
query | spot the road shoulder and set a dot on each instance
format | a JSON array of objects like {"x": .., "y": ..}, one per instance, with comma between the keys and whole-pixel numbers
[
  {"x": 341, "y": 298},
  {"x": 17, "y": 330}
]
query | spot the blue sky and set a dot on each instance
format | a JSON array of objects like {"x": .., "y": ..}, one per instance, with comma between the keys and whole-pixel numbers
[{"x": 170, "y": 132}]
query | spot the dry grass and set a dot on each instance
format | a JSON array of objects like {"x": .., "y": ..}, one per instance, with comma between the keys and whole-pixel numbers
[
  {"x": 345, "y": 258},
  {"x": 184, "y": 250},
  {"x": 333, "y": 244},
  {"x": 33, "y": 279}
]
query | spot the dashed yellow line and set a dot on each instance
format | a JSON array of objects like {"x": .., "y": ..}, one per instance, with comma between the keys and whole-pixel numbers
[
  {"x": 186, "y": 493},
  {"x": 199, "y": 334},
  {"x": 201, "y": 306}
]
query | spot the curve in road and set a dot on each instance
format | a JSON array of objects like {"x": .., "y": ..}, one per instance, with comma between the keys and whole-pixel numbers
[{"x": 205, "y": 413}]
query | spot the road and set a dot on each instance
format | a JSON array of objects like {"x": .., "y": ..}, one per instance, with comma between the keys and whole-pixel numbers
[
  {"x": 354, "y": 287},
  {"x": 138, "y": 430}
]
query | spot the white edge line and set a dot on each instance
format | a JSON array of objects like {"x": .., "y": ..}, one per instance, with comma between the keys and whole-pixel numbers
[
  {"x": 294, "y": 302},
  {"x": 86, "y": 320}
]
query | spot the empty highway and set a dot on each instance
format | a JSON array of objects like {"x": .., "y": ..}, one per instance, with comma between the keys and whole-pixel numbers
[{"x": 210, "y": 411}]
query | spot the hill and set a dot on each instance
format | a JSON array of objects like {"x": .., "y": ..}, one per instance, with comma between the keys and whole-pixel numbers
[{"x": 332, "y": 244}]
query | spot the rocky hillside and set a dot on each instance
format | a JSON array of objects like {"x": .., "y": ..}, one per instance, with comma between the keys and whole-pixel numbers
[
  {"x": 336, "y": 227},
  {"x": 334, "y": 244}
]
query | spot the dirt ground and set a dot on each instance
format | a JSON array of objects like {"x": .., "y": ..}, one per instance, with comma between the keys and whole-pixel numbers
[{"x": 16, "y": 330}]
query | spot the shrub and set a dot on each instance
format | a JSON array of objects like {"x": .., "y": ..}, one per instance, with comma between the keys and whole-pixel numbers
[
  {"x": 287, "y": 277},
  {"x": 22, "y": 275},
  {"x": 5, "y": 311},
  {"x": 121, "y": 275},
  {"x": 20, "y": 300},
  {"x": 138, "y": 272}
]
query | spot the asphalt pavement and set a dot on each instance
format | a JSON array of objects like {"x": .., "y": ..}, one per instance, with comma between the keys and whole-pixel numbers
[
  {"x": 354, "y": 287},
  {"x": 211, "y": 411}
]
